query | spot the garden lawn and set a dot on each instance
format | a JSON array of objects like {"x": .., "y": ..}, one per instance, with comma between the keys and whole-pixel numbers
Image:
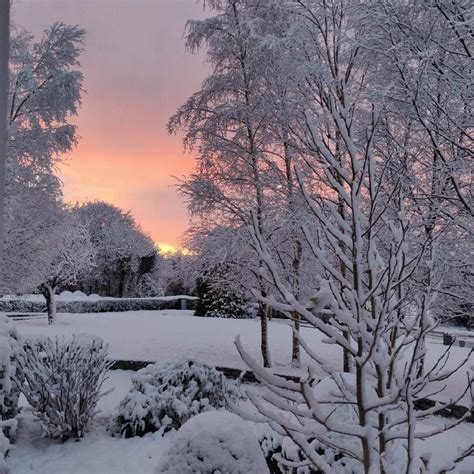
[{"x": 172, "y": 334}]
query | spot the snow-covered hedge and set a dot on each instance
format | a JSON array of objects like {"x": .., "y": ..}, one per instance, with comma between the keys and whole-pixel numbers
[
  {"x": 104, "y": 305},
  {"x": 214, "y": 442},
  {"x": 62, "y": 381},
  {"x": 165, "y": 395},
  {"x": 9, "y": 348}
]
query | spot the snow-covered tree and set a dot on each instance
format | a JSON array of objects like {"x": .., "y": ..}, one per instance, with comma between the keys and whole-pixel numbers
[
  {"x": 45, "y": 90},
  {"x": 369, "y": 251},
  {"x": 239, "y": 124},
  {"x": 177, "y": 274},
  {"x": 71, "y": 255},
  {"x": 9, "y": 346},
  {"x": 426, "y": 49},
  {"x": 124, "y": 253},
  {"x": 218, "y": 300}
]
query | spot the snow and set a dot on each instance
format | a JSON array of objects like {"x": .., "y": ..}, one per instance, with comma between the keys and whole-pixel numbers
[
  {"x": 167, "y": 394},
  {"x": 80, "y": 296},
  {"x": 100, "y": 453},
  {"x": 214, "y": 442},
  {"x": 172, "y": 334},
  {"x": 97, "y": 453}
]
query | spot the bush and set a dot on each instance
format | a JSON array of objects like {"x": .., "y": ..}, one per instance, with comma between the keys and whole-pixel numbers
[
  {"x": 214, "y": 442},
  {"x": 62, "y": 382},
  {"x": 220, "y": 302},
  {"x": 283, "y": 456},
  {"x": 165, "y": 395},
  {"x": 9, "y": 348}
]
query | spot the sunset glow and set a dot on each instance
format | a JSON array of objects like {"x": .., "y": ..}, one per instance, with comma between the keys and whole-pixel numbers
[{"x": 136, "y": 74}]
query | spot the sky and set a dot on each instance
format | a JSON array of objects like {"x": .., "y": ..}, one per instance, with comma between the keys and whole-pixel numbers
[{"x": 137, "y": 73}]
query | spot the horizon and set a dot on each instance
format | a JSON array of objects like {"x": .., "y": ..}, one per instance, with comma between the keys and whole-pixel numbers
[{"x": 145, "y": 75}]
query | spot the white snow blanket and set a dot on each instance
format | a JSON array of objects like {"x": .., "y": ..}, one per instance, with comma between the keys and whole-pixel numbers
[{"x": 215, "y": 441}]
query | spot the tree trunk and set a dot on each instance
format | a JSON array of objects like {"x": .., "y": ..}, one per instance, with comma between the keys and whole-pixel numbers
[
  {"x": 263, "y": 310},
  {"x": 50, "y": 295},
  {"x": 4, "y": 84},
  {"x": 346, "y": 358},
  {"x": 295, "y": 353}
]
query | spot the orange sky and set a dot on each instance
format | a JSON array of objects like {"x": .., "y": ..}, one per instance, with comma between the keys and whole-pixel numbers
[{"x": 136, "y": 75}]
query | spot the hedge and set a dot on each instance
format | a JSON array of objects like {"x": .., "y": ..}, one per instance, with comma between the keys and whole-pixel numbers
[{"x": 95, "y": 306}]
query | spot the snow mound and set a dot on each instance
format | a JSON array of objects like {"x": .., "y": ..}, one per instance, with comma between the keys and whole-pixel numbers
[
  {"x": 76, "y": 296},
  {"x": 214, "y": 442}
]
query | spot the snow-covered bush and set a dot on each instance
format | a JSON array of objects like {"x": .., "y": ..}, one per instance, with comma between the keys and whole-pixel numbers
[
  {"x": 62, "y": 381},
  {"x": 214, "y": 442},
  {"x": 165, "y": 395},
  {"x": 9, "y": 350},
  {"x": 220, "y": 301},
  {"x": 284, "y": 456},
  {"x": 9, "y": 345}
]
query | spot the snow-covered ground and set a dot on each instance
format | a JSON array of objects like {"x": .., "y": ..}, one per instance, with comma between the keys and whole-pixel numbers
[
  {"x": 97, "y": 453},
  {"x": 100, "y": 453},
  {"x": 171, "y": 334},
  {"x": 168, "y": 334}
]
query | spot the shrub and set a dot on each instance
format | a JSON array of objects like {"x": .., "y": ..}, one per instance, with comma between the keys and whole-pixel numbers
[
  {"x": 214, "y": 442},
  {"x": 283, "y": 456},
  {"x": 9, "y": 347},
  {"x": 165, "y": 395},
  {"x": 220, "y": 302},
  {"x": 62, "y": 382}
]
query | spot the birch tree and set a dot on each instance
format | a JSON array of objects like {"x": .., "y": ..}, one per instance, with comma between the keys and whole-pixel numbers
[
  {"x": 225, "y": 123},
  {"x": 427, "y": 49}
]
